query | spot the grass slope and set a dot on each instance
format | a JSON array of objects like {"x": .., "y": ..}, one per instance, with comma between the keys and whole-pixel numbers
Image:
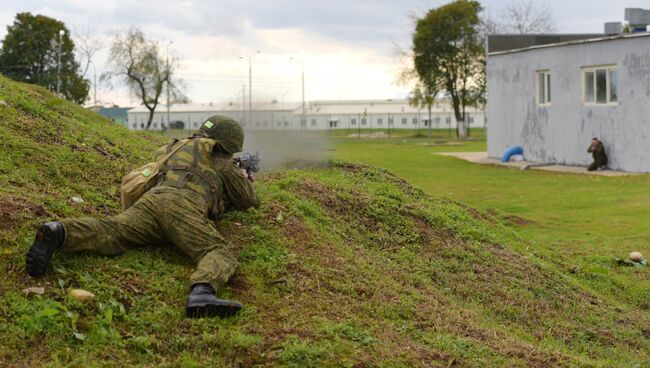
[
  {"x": 343, "y": 265},
  {"x": 582, "y": 223}
]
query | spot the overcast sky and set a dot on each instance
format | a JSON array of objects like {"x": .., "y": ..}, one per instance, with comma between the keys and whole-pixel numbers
[{"x": 346, "y": 46}]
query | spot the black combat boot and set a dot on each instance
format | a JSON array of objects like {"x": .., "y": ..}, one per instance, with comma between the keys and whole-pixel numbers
[
  {"x": 49, "y": 237},
  {"x": 203, "y": 303}
]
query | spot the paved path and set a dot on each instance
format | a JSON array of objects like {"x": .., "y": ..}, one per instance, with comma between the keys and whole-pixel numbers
[{"x": 482, "y": 158}]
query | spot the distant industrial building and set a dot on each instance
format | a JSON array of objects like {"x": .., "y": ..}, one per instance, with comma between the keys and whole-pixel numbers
[
  {"x": 551, "y": 99},
  {"x": 318, "y": 115},
  {"x": 117, "y": 115}
]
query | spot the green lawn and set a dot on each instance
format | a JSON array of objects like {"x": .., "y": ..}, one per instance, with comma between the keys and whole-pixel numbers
[{"x": 582, "y": 222}]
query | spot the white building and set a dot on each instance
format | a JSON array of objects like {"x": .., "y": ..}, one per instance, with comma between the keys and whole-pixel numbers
[
  {"x": 319, "y": 115},
  {"x": 552, "y": 99}
]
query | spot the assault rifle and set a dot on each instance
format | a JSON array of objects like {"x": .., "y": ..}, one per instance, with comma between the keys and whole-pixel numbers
[{"x": 248, "y": 161}]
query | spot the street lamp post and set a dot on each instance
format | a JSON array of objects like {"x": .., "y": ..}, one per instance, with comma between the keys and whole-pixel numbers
[
  {"x": 302, "y": 75},
  {"x": 58, "y": 65}
]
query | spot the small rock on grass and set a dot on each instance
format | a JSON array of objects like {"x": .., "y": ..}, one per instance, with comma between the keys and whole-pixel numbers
[
  {"x": 76, "y": 200},
  {"x": 36, "y": 290},
  {"x": 81, "y": 294}
]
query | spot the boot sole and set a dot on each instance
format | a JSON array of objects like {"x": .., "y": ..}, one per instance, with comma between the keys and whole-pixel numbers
[
  {"x": 211, "y": 310},
  {"x": 40, "y": 253}
]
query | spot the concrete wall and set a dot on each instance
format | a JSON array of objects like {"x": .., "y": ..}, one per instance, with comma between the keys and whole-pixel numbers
[{"x": 562, "y": 131}]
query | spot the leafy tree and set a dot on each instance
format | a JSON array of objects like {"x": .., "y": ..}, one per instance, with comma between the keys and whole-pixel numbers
[
  {"x": 138, "y": 63},
  {"x": 448, "y": 56},
  {"x": 30, "y": 53}
]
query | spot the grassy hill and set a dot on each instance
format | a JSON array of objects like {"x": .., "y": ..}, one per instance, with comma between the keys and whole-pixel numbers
[{"x": 343, "y": 265}]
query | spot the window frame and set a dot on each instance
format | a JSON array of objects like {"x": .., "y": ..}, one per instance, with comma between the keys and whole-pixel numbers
[
  {"x": 546, "y": 75},
  {"x": 608, "y": 68}
]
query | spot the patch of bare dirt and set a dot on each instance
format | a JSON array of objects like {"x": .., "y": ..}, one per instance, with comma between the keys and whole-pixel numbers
[
  {"x": 337, "y": 206},
  {"x": 517, "y": 220},
  {"x": 14, "y": 209},
  {"x": 239, "y": 283}
]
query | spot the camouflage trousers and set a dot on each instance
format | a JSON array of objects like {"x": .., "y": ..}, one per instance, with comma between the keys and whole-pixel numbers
[{"x": 162, "y": 216}]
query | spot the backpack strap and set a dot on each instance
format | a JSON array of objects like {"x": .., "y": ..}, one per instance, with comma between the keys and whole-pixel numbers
[
  {"x": 191, "y": 170},
  {"x": 169, "y": 155},
  {"x": 171, "y": 144}
]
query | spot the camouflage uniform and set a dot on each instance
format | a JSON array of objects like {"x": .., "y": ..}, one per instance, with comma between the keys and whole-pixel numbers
[
  {"x": 599, "y": 155},
  {"x": 178, "y": 211}
]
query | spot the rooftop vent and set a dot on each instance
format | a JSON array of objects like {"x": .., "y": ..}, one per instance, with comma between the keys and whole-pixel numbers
[
  {"x": 638, "y": 19},
  {"x": 613, "y": 28}
]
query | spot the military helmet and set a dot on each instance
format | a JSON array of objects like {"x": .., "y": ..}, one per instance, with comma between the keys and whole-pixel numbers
[{"x": 225, "y": 130}]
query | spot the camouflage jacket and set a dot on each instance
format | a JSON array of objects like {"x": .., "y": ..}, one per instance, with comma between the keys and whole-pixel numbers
[
  {"x": 226, "y": 189},
  {"x": 598, "y": 153}
]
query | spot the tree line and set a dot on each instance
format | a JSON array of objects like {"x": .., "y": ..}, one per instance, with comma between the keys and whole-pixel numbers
[
  {"x": 41, "y": 50},
  {"x": 446, "y": 58}
]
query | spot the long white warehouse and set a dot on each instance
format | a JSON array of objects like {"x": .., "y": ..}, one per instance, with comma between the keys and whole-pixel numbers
[{"x": 318, "y": 115}]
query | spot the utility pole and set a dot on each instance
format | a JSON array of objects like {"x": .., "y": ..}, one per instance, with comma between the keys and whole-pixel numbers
[
  {"x": 302, "y": 75},
  {"x": 58, "y": 66},
  {"x": 250, "y": 86}
]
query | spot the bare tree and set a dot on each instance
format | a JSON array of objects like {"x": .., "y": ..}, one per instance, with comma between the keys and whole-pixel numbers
[
  {"x": 521, "y": 17},
  {"x": 87, "y": 44},
  {"x": 138, "y": 63}
]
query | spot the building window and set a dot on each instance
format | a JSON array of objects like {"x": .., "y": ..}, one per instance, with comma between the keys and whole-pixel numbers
[
  {"x": 135, "y": 126},
  {"x": 544, "y": 88},
  {"x": 333, "y": 123},
  {"x": 266, "y": 123},
  {"x": 390, "y": 121},
  {"x": 404, "y": 121},
  {"x": 353, "y": 121},
  {"x": 363, "y": 121},
  {"x": 313, "y": 122},
  {"x": 600, "y": 85},
  {"x": 380, "y": 121},
  {"x": 415, "y": 121},
  {"x": 303, "y": 122},
  {"x": 448, "y": 120},
  {"x": 286, "y": 123}
]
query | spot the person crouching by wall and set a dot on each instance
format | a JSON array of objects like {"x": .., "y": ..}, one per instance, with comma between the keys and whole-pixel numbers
[{"x": 597, "y": 150}]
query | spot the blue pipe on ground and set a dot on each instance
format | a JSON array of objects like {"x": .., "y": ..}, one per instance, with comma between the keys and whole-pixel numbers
[{"x": 516, "y": 150}]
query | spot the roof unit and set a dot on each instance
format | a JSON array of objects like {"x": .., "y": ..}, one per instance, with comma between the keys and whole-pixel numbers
[
  {"x": 638, "y": 19},
  {"x": 613, "y": 28}
]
